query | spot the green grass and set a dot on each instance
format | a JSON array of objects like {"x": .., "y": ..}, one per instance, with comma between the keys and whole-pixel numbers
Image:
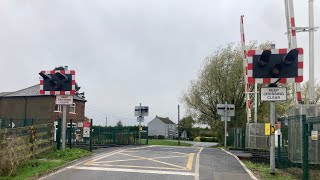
[
  {"x": 164, "y": 142},
  {"x": 46, "y": 162},
  {"x": 262, "y": 172}
]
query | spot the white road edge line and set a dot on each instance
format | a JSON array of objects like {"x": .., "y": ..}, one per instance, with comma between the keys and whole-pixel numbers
[
  {"x": 197, "y": 166},
  {"x": 133, "y": 170},
  {"x": 244, "y": 166}
]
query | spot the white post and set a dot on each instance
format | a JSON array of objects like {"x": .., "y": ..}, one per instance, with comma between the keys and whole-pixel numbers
[
  {"x": 311, "y": 53},
  {"x": 64, "y": 126},
  {"x": 64, "y": 122},
  {"x": 272, "y": 137},
  {"x": 255, "y": 102},
  {"x": 225, "y": 124}
]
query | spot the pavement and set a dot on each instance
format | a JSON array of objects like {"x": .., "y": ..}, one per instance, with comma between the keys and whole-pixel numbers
[{"x": 155, "y": 163}]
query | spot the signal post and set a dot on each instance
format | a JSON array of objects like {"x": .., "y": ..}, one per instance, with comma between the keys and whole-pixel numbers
[
  {"x": 62, "y": 84},
  {"x": 272, "y": 66}
]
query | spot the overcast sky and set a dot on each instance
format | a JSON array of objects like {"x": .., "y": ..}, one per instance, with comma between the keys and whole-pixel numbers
[{"x": 131, "y": 51}]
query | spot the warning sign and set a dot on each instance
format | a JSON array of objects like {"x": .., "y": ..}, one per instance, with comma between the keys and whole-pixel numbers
[
  {"x": 273, "y": 94},
  {"x": 64, "y": 100},
  {"x": 314, "y": 135},
  {"x": 86, "y": 129}
]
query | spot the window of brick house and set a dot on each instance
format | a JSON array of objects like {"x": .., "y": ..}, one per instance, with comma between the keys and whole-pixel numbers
[
  {"x": 72, "y": 108},
  {"x": 57, "y": 108}
]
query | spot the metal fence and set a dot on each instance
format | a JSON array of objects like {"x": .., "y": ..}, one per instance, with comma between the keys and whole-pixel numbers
[
  {"x": 100, "y": 136},
  {"x": 292, "y": 139},
  {"x": 236, "y": 138},
  {"x": 255, "y": 136}
]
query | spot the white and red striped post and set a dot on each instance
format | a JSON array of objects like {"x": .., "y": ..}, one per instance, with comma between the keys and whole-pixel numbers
[
  {"x": 297, "y": 96},
  {"x": 245, "y": 70}
]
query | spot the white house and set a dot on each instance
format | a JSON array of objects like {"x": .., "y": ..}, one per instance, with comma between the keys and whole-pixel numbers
[{"x": 162, "y": 126}]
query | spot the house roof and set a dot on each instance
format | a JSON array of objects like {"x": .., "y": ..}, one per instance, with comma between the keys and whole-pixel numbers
[
  {"x": 165, "y": 120},
  {"x": 31, "y": 91},
  {"x": 4, "y": 93}
]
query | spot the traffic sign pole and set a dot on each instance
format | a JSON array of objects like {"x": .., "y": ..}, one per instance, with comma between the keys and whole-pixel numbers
[
  {"x": 140, "y": 119},
  {"x": 225, "y": 125},
  {"x": 64, "y": 126}
]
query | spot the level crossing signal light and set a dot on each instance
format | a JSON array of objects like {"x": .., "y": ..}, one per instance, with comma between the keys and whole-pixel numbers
[
  {"x": 57, "y": 82},
  {"x": 283, "y": 64}
]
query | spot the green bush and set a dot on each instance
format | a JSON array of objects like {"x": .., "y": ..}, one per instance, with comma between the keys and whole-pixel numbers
[
  {"x": 160, "y": 137},
  {"x": 208, "y": 139},
  {"x": 197, "y": 139}
]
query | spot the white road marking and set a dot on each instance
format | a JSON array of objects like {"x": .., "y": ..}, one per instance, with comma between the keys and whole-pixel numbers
[
  {"x": 244, "y": 166},
  {"x": 197, "y": 167},
  {"x": 134, "y": 170}
]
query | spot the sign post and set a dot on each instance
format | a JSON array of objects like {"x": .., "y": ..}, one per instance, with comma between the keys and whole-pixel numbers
[
  {"x": 225, "y": 111},
  {"x": 141, "y": 111},
  {"x": 272, "y": 94}
]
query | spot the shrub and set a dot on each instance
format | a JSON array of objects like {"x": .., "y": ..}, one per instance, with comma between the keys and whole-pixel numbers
[
  {"x": 160, "y": 137},
  {"x": 10, "y": 157},
  {"x": 196, "y": 139}
]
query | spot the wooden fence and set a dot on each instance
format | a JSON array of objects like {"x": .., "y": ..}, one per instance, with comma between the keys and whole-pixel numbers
[{"x": 26, "y": 141}]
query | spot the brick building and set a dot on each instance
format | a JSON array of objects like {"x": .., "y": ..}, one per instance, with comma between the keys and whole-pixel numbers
[{"x": 29, "y": 104}]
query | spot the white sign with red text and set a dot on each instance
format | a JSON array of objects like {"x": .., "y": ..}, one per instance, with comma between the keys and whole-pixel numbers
[{"x": 273, "y": 94}]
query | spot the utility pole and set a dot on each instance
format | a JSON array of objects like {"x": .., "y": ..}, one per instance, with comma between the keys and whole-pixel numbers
[
  {"x": 178, "y": 125},
  {"x": 106, "y": 121}
]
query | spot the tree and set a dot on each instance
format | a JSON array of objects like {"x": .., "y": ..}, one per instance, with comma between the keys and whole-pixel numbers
[
  {"x": 305, "y": 92},
  {"x": 186, "y": 124},
  {"x": 220, "y": 79},
  {"x": 77, "y": 86},
  {"x": 119, "y": 124}
]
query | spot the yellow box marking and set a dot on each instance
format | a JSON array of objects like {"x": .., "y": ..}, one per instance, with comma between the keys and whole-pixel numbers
[
  {"x": 150, "y": 159},
  {"x": 190, "y": 160},
  {"x": 137, "y": 159},
  {"x": 145, "y": 167}
]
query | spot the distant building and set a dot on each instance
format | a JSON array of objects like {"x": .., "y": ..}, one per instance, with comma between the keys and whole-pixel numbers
[
  {"x": 162, "y": 126},
  {"x": 29, "y": 104}
]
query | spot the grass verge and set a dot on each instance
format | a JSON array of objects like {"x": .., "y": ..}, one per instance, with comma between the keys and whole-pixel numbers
[
  {"x": 261, "y": 171},
  {"x": 46, "y": 162},
  {"x": 164, "y": 142}
]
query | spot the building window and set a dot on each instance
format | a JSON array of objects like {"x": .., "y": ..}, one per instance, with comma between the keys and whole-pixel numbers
[
  {"x": 72, "y": 108},
  {"x": 57, "y": 108}
]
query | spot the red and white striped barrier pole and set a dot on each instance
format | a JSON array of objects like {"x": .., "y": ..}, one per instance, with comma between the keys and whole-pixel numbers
[
  {"x": 245, "y": 70},
  {"x": 298, "y": 96}
]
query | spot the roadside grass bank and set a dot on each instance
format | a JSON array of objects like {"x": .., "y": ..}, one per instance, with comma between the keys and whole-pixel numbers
[
  {"x": 164, "y": 142},
  {"x": 46, "y": 162},
  {"x": 261, "y": 171}
]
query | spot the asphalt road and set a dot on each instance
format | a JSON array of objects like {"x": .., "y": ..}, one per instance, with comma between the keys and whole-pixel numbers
[{"x": 155, "y": 163}]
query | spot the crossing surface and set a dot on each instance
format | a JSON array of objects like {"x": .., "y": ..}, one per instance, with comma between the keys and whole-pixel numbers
[{"x": 153, "y": 162}]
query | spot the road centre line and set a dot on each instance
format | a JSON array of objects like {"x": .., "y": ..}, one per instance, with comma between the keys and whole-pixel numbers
[
  {"x": 153, "y": 160},
  {"x": 134, "y": 170}
]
